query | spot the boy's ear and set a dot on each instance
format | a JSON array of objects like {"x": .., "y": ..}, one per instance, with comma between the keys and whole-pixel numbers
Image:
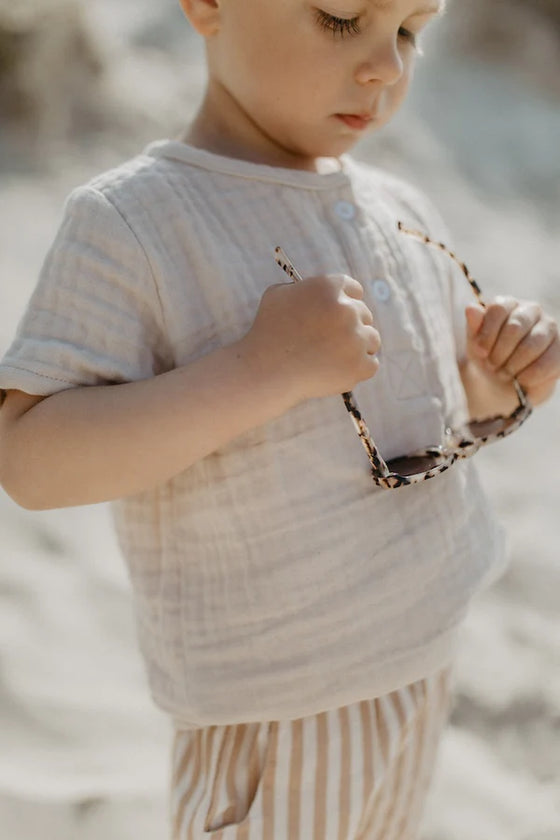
[{"x": 204, "y": 15}]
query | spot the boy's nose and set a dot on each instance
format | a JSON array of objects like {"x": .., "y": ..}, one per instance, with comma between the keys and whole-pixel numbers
[{"x": 383, "y": 65}]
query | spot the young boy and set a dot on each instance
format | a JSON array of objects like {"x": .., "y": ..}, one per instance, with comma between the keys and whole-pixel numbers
[{"x": 297, "y": 621}]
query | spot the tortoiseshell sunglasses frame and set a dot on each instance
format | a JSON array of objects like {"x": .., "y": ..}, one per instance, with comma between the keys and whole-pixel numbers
[{"x": 459, "y": 446}]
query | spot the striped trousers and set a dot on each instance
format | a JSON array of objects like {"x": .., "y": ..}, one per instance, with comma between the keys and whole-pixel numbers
[{"x": 360, "y": 772}]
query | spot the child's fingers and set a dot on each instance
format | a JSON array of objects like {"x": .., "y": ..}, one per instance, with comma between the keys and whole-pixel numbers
[
  {"x": 474, "y": 314},
  {"x": 513, "y": 332},
  {"x": 537, "y": 357},
  {"x": 495, "y": 317},
  {"x": 352, "y": 287},
  {"x": 543, "y": 391},
  {"x": 365, "y": 312}
]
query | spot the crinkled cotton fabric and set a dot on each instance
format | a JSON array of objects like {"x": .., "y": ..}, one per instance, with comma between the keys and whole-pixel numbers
[{"x": 272, "y": 579}]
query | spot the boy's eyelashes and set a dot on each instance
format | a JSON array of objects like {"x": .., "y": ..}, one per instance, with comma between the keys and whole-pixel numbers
[
  {"x": 337, "y": 25},
  {"x": 407, "y": 35},
  {"x": 351, "y": 26}
]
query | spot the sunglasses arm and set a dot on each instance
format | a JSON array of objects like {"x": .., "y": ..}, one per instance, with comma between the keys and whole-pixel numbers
[{"x": 378, "y": 464}]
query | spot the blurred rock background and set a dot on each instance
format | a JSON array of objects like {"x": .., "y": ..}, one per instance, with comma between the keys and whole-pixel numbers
[{"x": 84, "y": 85}]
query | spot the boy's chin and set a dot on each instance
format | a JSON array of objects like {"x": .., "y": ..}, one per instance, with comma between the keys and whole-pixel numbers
[
  {"x": 339, "y": 147},
  {"x": 303, "y": 151},
  {"x": 327, "y": 148},
  {"x": 345, "y": 140}
]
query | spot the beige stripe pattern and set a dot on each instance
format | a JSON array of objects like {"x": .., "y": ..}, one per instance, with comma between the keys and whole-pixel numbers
[{"x": 361, "y": 772}]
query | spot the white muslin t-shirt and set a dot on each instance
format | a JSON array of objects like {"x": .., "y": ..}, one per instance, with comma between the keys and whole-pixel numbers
[{"x": 272, "y": 579}]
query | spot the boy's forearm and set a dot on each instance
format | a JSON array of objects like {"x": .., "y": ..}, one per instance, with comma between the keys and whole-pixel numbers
[{"x": 93, "y": 444}]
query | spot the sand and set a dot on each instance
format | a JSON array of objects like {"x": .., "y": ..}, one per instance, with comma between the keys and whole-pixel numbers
[{"x": 84, "y": 752}]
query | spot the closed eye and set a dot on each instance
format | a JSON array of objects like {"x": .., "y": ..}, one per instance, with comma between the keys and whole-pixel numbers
[
  {"x": 351, "y": 26},
  {"x": 336, "y": 25}
]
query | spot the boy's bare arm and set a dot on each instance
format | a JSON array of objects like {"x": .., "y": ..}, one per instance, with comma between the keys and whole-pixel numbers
[
  {"x": 97, "y": 443},
  {"x": 92, "y": 444}
]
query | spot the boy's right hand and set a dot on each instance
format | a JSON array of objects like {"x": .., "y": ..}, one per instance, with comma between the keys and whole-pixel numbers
[{"x": 316, "y": 335}]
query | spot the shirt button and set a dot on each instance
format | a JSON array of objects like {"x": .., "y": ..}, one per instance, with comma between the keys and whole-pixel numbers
[
  {"x": 381, "y": 290},
  {"x": 345, "y": 210}
]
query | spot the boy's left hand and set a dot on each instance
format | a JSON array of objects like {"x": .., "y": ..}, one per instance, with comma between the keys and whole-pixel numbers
[{"x": 515, "y": 338}]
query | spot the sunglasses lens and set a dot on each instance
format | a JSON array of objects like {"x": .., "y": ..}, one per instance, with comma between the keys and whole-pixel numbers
[
  {"x": 491, "y": 426},
  {"x": 414, "y": 464}
]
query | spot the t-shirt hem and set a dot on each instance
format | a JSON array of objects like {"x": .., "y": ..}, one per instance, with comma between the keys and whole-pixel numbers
[{"x": 388, "y": 678}]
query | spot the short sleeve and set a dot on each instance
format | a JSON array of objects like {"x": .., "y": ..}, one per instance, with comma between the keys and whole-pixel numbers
[{"x": 95, "y": 316}]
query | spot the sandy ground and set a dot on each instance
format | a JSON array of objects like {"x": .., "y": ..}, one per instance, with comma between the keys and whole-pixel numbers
[{"x": 84, "y": 753}]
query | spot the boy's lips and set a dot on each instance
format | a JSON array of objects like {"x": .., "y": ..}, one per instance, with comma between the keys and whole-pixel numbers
[{"x": 356, "y": 121}]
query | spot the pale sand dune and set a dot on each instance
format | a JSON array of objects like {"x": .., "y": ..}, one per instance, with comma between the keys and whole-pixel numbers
[{"x": 84, "y": 753}]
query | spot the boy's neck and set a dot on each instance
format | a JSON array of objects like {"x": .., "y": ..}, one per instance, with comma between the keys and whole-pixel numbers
[{"x": 221, "y": 127}]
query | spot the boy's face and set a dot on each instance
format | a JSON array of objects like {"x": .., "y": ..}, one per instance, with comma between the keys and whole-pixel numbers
[{"x": 293, "y": 80}]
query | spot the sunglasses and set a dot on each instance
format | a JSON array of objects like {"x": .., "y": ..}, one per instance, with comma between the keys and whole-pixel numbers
[{"x": 458, "y": 443}]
